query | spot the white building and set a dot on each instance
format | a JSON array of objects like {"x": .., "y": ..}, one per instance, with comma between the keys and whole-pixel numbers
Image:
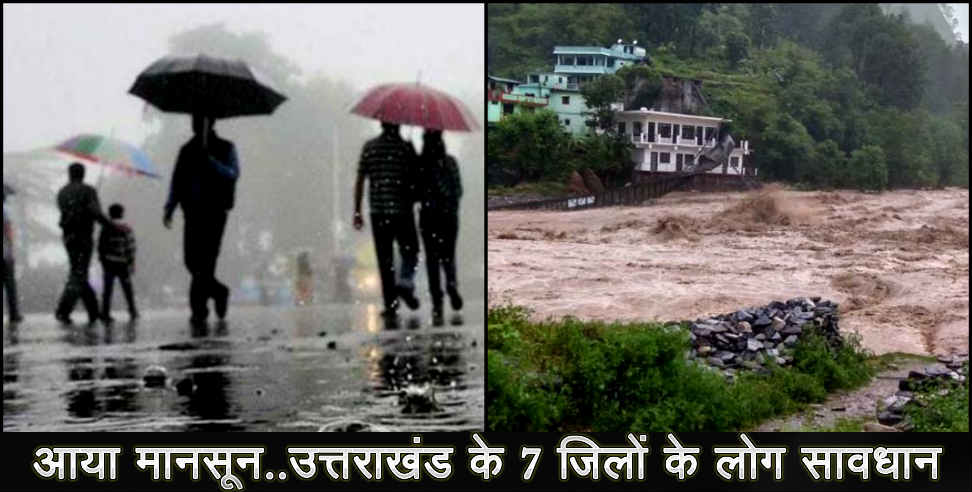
[{"x": 671, "y": 142}]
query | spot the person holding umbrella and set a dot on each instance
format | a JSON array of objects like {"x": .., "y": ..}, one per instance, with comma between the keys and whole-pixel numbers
[
  {"x": 384, "y": 161},
  {"x": 387, "y": 163},
  {"x": 80, "y": 209},
  {"x": 439, "y": 220},
  {"x": 204, "y": 185},
  {"x": 207, "y": 169},
  {"x": 9, "y": 281}
]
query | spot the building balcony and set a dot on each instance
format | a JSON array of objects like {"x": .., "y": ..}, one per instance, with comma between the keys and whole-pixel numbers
[
  {"x": 643, "y": 138},
  {"x": 525, "y": 100},
  {"x": 582, "y": 69}
]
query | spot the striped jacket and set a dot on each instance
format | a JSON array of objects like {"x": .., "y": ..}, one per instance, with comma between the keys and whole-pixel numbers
[{"x": 117, "y": 245}]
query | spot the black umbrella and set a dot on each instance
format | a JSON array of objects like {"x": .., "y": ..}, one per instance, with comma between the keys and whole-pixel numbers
[{"x": 201, "y": 84}]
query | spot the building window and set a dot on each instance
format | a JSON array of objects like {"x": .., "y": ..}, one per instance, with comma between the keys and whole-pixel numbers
[
  {"x": 565, "y": 100},
  {"x": 665, "y": 157},
  {"x": 508, "y": 108},
  {"x": 566, "y": 122},
  {"x": 709, "y": 133},
  {"x": 582, "y": 61},
  {"x": 688, "y": 132},
  {"x": 665, "y": 130},
  {"x": 636, "y": 128},
  {"x": 560, "y": 80},
  {"x": 621, "y": 128},
  {"x": 734, "y": 163},
  {"x": 688, "y": 160}
]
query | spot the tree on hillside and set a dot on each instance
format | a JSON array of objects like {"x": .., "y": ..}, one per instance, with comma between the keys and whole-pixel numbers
[
  {"x": 599, "y": 94},
  {"x": 529, "y": 146}
]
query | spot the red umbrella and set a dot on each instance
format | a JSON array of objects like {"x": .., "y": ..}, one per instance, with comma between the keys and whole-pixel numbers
[{"x": 416, "y": 105}]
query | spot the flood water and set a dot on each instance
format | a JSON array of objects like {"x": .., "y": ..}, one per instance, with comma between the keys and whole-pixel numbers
[{"x": 333, "y": 368}]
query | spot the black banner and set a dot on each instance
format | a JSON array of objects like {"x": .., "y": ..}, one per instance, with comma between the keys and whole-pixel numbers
[{"x": 28, "y": 456}]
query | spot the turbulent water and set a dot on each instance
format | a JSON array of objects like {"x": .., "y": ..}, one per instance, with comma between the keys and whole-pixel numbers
[
  {"x": 331, "y": 368},
  {"x": 897, "y": 262}
]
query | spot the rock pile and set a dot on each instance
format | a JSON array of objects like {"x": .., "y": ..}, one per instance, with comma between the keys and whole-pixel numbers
[
  {"x": 751, "y": 338},
  {"x": 942, "y": 376}
]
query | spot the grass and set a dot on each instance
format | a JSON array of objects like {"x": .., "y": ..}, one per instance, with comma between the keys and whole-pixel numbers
[
  {"x": 942, "y": 407},
  {"x": 570, "y": 375}
]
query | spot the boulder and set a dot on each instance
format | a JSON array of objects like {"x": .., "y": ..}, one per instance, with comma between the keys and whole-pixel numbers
[
  {"x": 576, "y": 186},
  {"x": 592, "y": 182}
]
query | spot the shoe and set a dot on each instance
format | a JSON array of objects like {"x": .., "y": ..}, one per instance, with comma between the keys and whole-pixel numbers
[
  {"x": 222, "y": 304},
  {"x": 408, "y": 295},
  {"x": 198, "y": 322},
  {"x": 438, "y": 319},
  {"x": 16, "y": 318},
  {"x": 455, "y": 298},
  {"x": 63, "y": 319},
  {"x": 107, "y": 319},
  {"x": 134, "y": 315}
]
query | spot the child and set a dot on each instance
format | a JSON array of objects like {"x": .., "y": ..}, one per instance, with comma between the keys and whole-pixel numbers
[{"x": 116, "y": 250}]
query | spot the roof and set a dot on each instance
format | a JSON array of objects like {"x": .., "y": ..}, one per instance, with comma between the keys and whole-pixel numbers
[
  {"x": 501, "y": 79},
  {"x": 594, "y": 50},
  {"x": 663, "y": 113}
]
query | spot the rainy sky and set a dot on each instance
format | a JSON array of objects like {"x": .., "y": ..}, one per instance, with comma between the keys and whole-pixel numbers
[{"x": 67, "y": 68}]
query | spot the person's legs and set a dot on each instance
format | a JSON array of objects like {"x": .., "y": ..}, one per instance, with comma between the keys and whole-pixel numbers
[
  {"x": 449, "y": 231},
  {"x": 88, "y": 296},
  {"x": 193, "y": 246},
  {"x": 382, "y": 229},
  {"x": 76, "y": 276},
  {"x": 10, "y": 291},
  {"x": 430, "y": 241},
  {"x": 109, "y": 276},
  {"x": 219, "y": 292},
  {"x": 407, "y": 238},
  {"x": 125, "y": 279}
]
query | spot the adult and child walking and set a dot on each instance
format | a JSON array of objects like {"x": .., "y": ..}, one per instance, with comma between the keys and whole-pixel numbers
[{"x": 203, "y": 186}]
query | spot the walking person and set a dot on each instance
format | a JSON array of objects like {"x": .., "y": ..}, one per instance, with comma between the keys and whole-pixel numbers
[
  {"x": 439, "y": 220},
  {"x": 80, "y": 209},
  {"x": 204, "y": 185},
  {"x": 9, "y": 279},
  {"x": 387, "y": 162},
  {"x": 116, "y": 250}
]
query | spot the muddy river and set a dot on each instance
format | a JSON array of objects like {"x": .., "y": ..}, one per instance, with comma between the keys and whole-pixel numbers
[{"x": 897, "y": 262}]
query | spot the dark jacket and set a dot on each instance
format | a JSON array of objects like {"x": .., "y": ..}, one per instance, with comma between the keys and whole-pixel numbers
[
  {"x": 117, "y": 245},
  {"x": 442, "y": 185},
  {"x": 80, "y": 209},
  {"x": 388, "y": 161},
  {"x": 204, "y": 181}
]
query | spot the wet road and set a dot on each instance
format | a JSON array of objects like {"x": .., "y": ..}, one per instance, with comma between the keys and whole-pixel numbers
[{"x": 332, "y": 368}]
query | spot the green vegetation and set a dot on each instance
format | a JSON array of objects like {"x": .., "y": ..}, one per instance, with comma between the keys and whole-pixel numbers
[
  {"x": 818, "y": 89},
  {"x": 942, "y": 408},
  {"x": 574, "y": 375}
]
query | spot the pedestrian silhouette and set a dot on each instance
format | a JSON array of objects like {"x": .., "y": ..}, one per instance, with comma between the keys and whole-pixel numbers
[
  {"x": 116, "y": 250},
  {"x": 204, "y": 186},
  {"x": 388, "y": 162},
  {"x": 80, "y": 209},
  {"x": 9, "y": 278},
  {"x": 439, "y": 220}
]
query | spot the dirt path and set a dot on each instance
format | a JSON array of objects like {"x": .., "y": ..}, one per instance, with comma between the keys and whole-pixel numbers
[
  {"x": 898, "y": 262},
  {"x": 860, "y": 404}
]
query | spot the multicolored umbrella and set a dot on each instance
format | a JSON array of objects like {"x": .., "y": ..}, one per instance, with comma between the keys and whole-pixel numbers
[
  {"x": 417, "y": 105},
  {"x": 111, "y": 153}
]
